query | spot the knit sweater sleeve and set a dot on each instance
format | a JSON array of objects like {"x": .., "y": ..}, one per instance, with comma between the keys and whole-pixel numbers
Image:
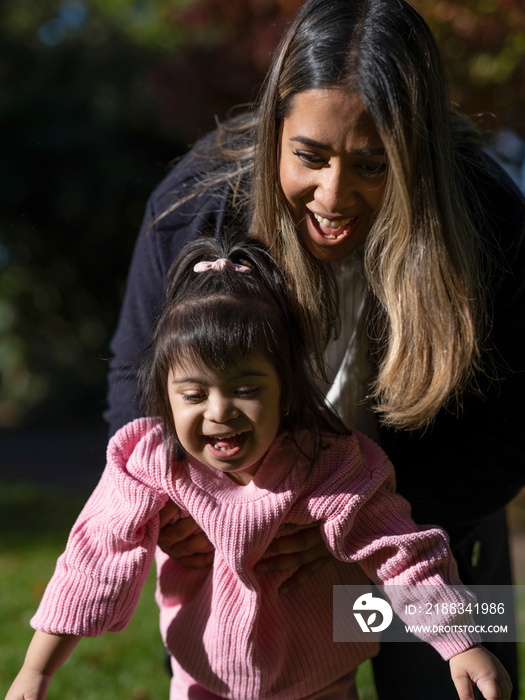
[
  {"x": 369, "y": 523},
  {"x": 98, "y": 579}
]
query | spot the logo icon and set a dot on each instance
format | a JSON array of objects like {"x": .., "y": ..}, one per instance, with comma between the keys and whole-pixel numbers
[{"x": 368, "y": 603}]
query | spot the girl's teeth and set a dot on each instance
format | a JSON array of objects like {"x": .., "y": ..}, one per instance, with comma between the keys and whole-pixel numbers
[{"x": 219, "y": 440}]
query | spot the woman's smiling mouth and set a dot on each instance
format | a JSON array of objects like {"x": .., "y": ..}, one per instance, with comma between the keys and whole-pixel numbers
[{"x": 333, "y": 229}]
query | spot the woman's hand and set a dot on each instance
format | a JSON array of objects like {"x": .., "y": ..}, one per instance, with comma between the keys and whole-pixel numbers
[
  {"x": 184, "y": 542},
  {"x": 477, "y": 666},
  {"x": 304, "y": 548}
]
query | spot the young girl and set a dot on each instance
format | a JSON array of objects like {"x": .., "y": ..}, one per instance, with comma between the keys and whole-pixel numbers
[{"x": 240, "y": 442}]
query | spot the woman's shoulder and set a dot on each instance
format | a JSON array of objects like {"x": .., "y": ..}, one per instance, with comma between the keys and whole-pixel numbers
[
  {"x": 184, "y": 177},
  {"x": 200, "y": 182},
  {"x": 498, "y": 210},
  {"x": 501, "y": 200}
]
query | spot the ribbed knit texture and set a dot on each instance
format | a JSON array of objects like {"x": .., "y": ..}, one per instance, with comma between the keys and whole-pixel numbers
[{"x": 228, "y": 627}]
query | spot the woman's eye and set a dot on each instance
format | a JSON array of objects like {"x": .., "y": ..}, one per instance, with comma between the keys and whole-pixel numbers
[
  {"x": 371, "y": 169},
  {"x": 311, "y": 159}
]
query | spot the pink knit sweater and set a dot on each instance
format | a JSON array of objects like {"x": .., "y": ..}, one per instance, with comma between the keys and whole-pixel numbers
[{"x": 228, "y": 627}]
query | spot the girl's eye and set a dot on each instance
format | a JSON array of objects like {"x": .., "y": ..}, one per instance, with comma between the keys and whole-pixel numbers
[
  {"x": 311, "y": 159},
  {"x": 193, "y": 398},
  {"x": 247, "y": 393}
]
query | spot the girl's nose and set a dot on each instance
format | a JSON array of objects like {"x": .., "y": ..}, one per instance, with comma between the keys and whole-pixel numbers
[{"x": 221, "y": 409}]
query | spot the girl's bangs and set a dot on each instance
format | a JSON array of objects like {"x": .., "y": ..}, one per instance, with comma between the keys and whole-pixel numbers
[{"x": 225, "y": 335}]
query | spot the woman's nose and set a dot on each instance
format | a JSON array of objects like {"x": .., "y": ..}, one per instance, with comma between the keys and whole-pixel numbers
[{"x": 335, "y": 191}]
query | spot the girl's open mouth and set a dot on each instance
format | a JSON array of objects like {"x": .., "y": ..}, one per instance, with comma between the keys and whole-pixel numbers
[{"x": 226, "y": 445}]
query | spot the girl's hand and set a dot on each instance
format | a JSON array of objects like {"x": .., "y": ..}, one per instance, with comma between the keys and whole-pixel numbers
[
  {"x": 304, "y": 548},
  {"x": 45, "y": 655},
  {"x": 29, "y": 685},
  {"x": 477, "y": 666}
]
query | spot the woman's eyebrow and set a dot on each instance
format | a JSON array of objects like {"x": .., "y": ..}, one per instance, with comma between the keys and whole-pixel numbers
[
  {"x": 367, "y": 152},
  {"x": 310, "y": 142}
]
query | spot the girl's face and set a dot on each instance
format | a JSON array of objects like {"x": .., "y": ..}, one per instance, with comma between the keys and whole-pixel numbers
[
  {"x": 228, "y": 420},
  {"x": 332, "y": 170}
]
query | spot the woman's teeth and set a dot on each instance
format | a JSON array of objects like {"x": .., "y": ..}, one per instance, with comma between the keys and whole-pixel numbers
[{"x": 333, "y": 224}]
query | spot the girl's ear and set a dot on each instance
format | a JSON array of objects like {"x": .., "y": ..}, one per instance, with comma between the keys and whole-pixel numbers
[{"x": 286, "y": 401}]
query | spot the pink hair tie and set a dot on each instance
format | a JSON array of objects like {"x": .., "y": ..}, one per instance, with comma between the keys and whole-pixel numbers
[{"x": 220, "y": 264}]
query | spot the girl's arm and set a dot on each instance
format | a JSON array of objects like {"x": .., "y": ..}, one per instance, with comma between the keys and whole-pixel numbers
[
  {"x": 479, "y": 667},
  {"x": 45, "y": 655}
]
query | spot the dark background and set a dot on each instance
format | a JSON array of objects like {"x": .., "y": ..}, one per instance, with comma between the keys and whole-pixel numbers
[{"x": 96, "y": 99}]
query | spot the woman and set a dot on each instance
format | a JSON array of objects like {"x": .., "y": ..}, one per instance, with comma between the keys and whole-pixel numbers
[{"x": 356, "y": 172}]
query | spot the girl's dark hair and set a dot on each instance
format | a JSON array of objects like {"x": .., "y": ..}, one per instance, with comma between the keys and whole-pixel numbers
[{"x": 218, "y": 319}]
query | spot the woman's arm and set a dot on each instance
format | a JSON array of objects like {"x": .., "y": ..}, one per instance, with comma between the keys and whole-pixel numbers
[
  {"x": 45, "y": 655},
  {"x": 183, "y": 540},
  {"x": 305, "y": 548},
  {"x": 187, "y": 544}
]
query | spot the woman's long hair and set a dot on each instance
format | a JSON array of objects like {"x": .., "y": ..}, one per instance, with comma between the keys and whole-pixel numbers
[{"x": 424, "y": 259}]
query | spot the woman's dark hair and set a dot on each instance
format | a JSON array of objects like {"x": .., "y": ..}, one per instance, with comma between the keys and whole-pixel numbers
[
  {"x": 425, "y": 261},
  {"x": 218, "y": 319}
]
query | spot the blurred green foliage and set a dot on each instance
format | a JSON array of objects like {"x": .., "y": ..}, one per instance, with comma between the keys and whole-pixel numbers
[
  {"x": 483, "y": 45},
  {"x": 96, "y": 98},
  {"x": 80, "y": 151}
]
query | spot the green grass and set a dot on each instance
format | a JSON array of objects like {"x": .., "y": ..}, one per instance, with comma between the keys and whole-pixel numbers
[{"x": 34, "y": 523}]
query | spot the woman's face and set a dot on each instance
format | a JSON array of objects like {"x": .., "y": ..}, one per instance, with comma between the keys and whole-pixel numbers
[{"x": 332, "y": 170}]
